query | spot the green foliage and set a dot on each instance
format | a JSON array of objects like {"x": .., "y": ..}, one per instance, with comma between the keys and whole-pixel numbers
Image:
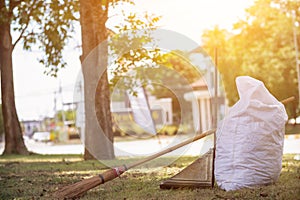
[
  {"x": 179, "y": 61},
  {"x": 138, "y": 65},
  {"x": 46, "y": 24},
  {"x": 68, "y": 115},
  {"x": 220, "y": 40},
  {"x": 133, "y": 48},
  {"x": 168, "y": 130},
  {"x": 260, "y": 46},
  {"x": 173, "y": 78},
  {"x": 163, "y": 73}
]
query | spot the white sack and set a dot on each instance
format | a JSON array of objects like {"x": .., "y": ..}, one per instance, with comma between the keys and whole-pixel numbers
[{"x": 250, "y": 138}]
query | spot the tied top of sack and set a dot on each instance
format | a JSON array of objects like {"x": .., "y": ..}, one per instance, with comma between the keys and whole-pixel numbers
[{"x": 259, "y": 101}]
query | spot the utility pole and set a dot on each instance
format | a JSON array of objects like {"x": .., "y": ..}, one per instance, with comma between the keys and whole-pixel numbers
[
  {"x": 296, "y": 50},
  {"x": 62, "y": 103},
  {"x": 216, "y": 87},
  {"x": 55, "y": 109}
]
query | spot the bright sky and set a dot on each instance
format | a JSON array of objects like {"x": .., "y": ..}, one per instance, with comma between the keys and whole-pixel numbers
[
  {"x": 191, "y": 17},
  {"x": 35, "y": 91}
]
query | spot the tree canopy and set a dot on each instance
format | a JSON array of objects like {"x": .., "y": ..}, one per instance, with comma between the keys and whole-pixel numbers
[
  {"x": 261, "y": 46},
  {"x": 44, "y": 26}
]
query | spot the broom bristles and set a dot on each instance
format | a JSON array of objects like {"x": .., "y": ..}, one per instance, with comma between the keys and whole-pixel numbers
[{"x": 78, "y": 189}]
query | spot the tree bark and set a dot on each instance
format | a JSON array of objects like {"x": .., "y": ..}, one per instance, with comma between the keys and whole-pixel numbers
[
  {"x": 14, "y": 143},
  {"x": 98, "y": 124}
]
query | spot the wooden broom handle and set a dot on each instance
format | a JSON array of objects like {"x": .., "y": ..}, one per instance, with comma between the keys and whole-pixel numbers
[
  {"x": 197, "y": 137},
  {"x": 288, "y": 100}
]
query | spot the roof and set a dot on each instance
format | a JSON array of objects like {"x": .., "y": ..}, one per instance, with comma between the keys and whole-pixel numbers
[{"x": 200, "y": 85}]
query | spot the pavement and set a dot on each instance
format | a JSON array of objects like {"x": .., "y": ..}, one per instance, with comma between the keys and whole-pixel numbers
[{"x": 147, "y": 147}]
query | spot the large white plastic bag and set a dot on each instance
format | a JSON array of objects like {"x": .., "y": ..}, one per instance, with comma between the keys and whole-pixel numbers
[{"x": 250, "y": 138}]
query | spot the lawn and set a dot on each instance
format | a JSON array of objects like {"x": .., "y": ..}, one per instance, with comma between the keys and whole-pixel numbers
[{"x": 38, "y": 176}]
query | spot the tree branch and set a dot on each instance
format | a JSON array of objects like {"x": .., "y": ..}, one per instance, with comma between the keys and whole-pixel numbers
[
  {"x": 3, "y": 12},
  {"x": 106, "y": 7},
  {"x": 2, "y": 4},
  {"x": 26, "y": 25},
  {"x": 12, "y": 5}
]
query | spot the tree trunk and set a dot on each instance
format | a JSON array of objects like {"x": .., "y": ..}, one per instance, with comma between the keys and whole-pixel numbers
[
  {"x": 14, "y": 143},
  {"x": 98, "y": 124}
]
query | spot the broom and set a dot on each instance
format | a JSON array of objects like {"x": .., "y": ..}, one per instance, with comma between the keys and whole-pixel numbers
[{"x": 79, "y": 188}]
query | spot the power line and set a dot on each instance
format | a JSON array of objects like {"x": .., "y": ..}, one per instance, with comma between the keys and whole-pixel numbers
[{"x": 50, "y": 91}]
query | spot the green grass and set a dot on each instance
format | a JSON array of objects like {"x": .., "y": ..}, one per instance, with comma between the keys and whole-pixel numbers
[{"x": 38, "y": 176}]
